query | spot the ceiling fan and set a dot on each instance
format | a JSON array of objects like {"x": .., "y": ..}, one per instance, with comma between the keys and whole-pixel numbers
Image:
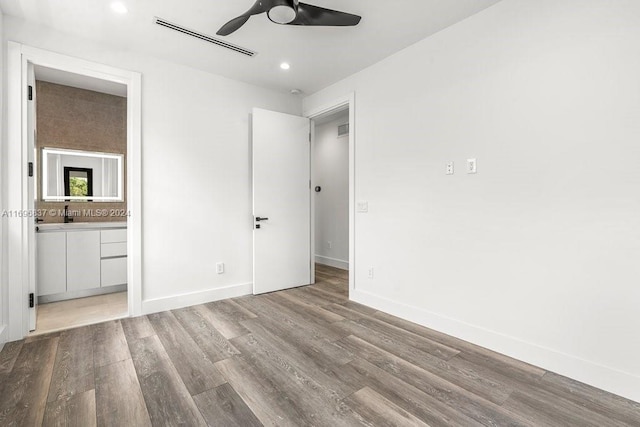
[{"x": 291, "y": 12}]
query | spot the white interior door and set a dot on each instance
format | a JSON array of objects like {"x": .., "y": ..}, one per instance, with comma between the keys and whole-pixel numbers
[
  {"x": 281, "y": 201},
  {"x": 31, "y": 194}
]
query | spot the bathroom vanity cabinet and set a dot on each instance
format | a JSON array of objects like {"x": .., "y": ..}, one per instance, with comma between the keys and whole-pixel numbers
[{"x": 77, "y": 260}]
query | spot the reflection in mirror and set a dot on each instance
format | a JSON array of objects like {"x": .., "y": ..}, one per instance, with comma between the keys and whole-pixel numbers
[
  {"x": 78, "y": 181},
  {"x": 81, "y": 175}
]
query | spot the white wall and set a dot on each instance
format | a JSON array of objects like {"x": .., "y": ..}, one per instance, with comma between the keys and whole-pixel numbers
[
  {"x": 3, "y": 221},
  {"x": 195, "y": 178},
  {"x": 537, "y": 255},
  {"x": 331, "y": 173}
]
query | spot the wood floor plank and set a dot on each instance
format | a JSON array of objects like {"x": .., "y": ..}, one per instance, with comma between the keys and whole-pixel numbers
[
  {"x": 345, "y": 312},
  {"x": 296, "y": 304},
  {"x": 212, "y": 342},
  {"x": 555, "y": 411},
  {"x": 24, "y": 390},
  {"x": 502, "y": 364},
  {"x": 379, "y": 411},
  {"x": 73, "y": 369},
  {"x": 543, "y": 406},
  {"x": 193, "y": 365},
  {"x": 334, "y": 271},
  {"x": 267, "y": 310},
  {"x": 323, "y": 369},
  {"x": 224, "y": 407},
  {"x": 465, "y": 377},
  {"x": 425, "y": 344},
  {"x": 9, "y": 355},
  {"x": 341, "y": 276},
  {"x": 109, "y": 343},
  {"x": 468, "y": 403},
  {"x": 38, "y": 337},
  {"x": 607, "y": 404},
  {"x": 167, "y": 398},
  {"x": 271, "y": 405},
  {"x": 226, "y": 316},
  {"x": 313, "y": 297},
  {"x": 310, "y": 342},
  {"x": 425, "y": 407},
  {"x": 336, "y": 279},
  {"x": 332, "y": 285},
  {"x": 240, "y": 313},
  {"x": 325, "y": 293},
  {"x": 119, "y": 396},
  {"x": 76, "y": 411},
  {"x": 352, "y": 305},
  {"x": 137, "y": 327},
  {"x": 320, "y": 405},
  {"x": 474, "y": 354}
]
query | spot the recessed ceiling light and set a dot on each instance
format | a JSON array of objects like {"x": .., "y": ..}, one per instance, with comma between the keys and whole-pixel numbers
[
  {"x": 119, "y": 7},
  {"x": 285, "y": 66}
]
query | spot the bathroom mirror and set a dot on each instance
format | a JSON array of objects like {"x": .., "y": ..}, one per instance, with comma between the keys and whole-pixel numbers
[{"x": 81, "y": 175}]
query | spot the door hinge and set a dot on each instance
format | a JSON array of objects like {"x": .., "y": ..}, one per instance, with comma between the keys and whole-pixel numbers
[
  {"x": 30, "y": 168},
  {"x": 31, "y": 300},
  {"x": 30, "y": 90}
]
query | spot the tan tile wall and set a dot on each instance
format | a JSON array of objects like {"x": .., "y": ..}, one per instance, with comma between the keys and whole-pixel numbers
[{"x": 79, "y": 119}]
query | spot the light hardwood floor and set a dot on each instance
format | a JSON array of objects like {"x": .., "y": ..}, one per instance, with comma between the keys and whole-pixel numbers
[
  {"x": 305, "y": 356},
  {"x": 72, "y": 313}
]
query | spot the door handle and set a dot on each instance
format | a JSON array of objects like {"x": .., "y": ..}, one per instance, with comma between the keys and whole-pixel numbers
[{"x": 258, "y": 219}]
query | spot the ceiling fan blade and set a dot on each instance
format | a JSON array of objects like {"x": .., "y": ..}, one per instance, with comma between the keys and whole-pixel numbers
[
  {"x": 260, "y": 6},
  {"x": 315, "y": 15},
  {"x": 233, "y": 25}
]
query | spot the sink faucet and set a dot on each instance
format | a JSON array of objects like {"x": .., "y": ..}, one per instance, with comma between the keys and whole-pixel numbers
[{"x": 67, "y": 217}]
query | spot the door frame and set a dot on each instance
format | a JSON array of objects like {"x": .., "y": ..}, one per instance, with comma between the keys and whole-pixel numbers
[
  {"x": 16, "y": 168},
  {"x": 336, "y": 104}
]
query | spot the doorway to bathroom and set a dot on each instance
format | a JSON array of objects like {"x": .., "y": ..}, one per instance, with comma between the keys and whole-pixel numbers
[
  {"x": 75, "y": 249},
  {"x": 80, "y": 151}
]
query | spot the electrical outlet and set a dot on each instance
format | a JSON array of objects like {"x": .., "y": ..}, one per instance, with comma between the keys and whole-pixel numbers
[
  {"x": 450, "y": 168},
  {"x": 370, "y": 273},
  {"x": 330, "y": 245},
  {"x": 472, "y": 166},
  {"x": 220, "y": 267}
]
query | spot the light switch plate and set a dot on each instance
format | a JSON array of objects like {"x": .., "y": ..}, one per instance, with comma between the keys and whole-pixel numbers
[
  {"x": 472, "y": 166},
  {"x": 363, "y": 207}
]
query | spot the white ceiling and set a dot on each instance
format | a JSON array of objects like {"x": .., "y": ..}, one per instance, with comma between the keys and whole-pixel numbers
[{"x": 319, "y": 56}]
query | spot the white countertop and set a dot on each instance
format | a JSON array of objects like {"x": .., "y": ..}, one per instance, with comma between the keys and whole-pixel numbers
[{"x": 81, "y": 226}]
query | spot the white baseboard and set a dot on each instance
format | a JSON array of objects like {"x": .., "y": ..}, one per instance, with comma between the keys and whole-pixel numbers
[
  {"x": 603, "y": 377},
  {"x": 195, "y": 298},
  {"x": 332, "y": 262}
]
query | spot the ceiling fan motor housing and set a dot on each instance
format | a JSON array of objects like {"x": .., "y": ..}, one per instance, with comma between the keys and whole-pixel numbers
[
  {"x": 283, "y": 11},
  {"x": 291, "y": 12}
]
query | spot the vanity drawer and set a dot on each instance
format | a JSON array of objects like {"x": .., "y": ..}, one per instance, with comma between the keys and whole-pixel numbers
[
  {"x": 113, "y": 236},
  {"x": 114, "y": 271},
  {"x": 113, "y": 249}
]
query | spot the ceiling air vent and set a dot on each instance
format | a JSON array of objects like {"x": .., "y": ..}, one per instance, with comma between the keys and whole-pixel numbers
[
  {"x": 343, "y": 129},
  {"x": 204, "y": 37}
]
